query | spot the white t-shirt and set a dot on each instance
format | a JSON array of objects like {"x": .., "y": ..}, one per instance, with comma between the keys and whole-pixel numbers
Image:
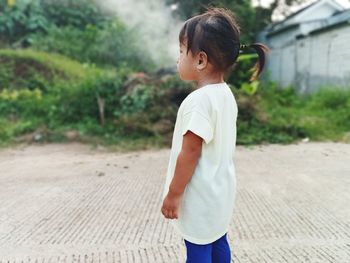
[{"x": 208, "y": 200}]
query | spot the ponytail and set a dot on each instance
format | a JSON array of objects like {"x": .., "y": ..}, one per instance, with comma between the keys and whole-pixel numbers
[{"x": 262, "y": 51}]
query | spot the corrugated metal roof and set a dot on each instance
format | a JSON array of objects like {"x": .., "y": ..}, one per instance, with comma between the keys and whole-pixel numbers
[
  {"x": 273, "y": 25},
  {"x": 333, "y": 21},
  {"x": 299, "y": 11},
  {"x": 279, "y": 27},
  {"x": 337, "y": 19}
]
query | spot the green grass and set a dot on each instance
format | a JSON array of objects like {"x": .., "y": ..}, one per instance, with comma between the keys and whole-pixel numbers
[
  {"x": 285, "y": 117},
  {"x": 50, "y": 108},
  {"x": 58, "y": 62},
  {"x": 323, "y": 115}
]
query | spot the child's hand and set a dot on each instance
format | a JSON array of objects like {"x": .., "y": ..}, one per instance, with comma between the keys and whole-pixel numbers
[{"x": 171, "y": 206}]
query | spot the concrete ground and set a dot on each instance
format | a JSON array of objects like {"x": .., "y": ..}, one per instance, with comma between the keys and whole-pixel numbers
[{"x": 71, "y": 203}]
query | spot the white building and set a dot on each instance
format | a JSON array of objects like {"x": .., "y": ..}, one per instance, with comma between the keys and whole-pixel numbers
[{"x": 311, "y": 48}]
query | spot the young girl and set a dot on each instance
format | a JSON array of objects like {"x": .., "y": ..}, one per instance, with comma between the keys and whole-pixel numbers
[{"x": 200, "y": 187}]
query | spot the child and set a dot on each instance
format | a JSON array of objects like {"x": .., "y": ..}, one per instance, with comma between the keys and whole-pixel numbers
[{"x": 200, "y": 186}]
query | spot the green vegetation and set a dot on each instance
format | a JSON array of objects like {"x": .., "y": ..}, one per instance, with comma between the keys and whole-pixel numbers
[
  {"x": 70, "y": 72},
  {"x": 50, "y": 97},
  {"x": 62, "y": 100},
  {"x": 274, "y": 115}
]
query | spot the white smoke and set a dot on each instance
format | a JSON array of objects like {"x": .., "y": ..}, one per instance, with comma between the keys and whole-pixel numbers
[{"x": 156, "y": 26}]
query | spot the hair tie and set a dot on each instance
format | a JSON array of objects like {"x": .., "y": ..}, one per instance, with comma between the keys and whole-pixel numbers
[{"x": 243, "y": 46}]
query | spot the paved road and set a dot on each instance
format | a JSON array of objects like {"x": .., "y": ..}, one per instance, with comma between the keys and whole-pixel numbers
[{"x": 68, "y": 203}]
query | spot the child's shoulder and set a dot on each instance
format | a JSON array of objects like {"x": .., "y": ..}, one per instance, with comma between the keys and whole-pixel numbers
[
  {"x": 199, "y": 95},
  {"x": 197, "y": 100}
]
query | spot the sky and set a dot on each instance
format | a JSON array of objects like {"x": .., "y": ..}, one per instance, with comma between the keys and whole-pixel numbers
[
  {"x": 276, "y": 16},
  {"x": 266, "y": 3}
]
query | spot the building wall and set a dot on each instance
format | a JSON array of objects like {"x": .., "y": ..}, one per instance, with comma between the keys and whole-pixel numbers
[
  {"x": 283, "y": 38},
  {"x": 318, "y": 60}
]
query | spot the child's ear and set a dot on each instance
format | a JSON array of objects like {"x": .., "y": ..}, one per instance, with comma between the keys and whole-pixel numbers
[{"x": 202, "y": 60}]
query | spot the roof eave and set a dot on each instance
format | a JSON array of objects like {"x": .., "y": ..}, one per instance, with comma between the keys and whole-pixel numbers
[
  {"x": 326, "y": 28},
  {"x": 278, "y": 31}
]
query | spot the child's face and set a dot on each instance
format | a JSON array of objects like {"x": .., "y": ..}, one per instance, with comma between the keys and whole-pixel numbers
[{"x": 186, "y": 64}]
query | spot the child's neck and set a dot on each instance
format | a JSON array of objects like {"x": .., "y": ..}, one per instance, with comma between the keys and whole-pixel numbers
[{"x": 204, "y": 79}]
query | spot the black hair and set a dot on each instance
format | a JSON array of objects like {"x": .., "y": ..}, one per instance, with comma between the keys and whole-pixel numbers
[{"x": 216, "y": 32}]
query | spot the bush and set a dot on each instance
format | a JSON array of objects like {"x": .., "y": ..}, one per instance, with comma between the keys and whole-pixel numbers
[
  {"x": 50, "y": 94},
  {"x": 112, "y": 45},
  {"x": 74, "y": 28},
  {"x": 20, "y": 21},
  {"x": 321, "y": 115},
  {"x": 74, "y": 13},
  {"x": 68, "y": 94},
  {"x": 149, "y": 107},
  {"x": 80, "y": 100},
  {"x": 25, "y": 102}
]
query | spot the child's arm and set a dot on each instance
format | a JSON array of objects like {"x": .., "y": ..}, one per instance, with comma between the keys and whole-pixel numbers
[
  {"x": 185, "y": 166},
  {"x": 186, "y": 163}
]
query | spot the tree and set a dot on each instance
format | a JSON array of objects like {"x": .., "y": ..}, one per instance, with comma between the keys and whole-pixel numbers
[
  {"x": 284, "y": 8},
  {"x": 251, "y": 19}
]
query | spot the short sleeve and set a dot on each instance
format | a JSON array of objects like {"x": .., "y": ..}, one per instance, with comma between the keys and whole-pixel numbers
[{"x": 198, "y": 120}]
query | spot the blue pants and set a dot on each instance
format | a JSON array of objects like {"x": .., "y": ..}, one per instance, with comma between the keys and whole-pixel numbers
[{"x": 215, "y": 252}]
